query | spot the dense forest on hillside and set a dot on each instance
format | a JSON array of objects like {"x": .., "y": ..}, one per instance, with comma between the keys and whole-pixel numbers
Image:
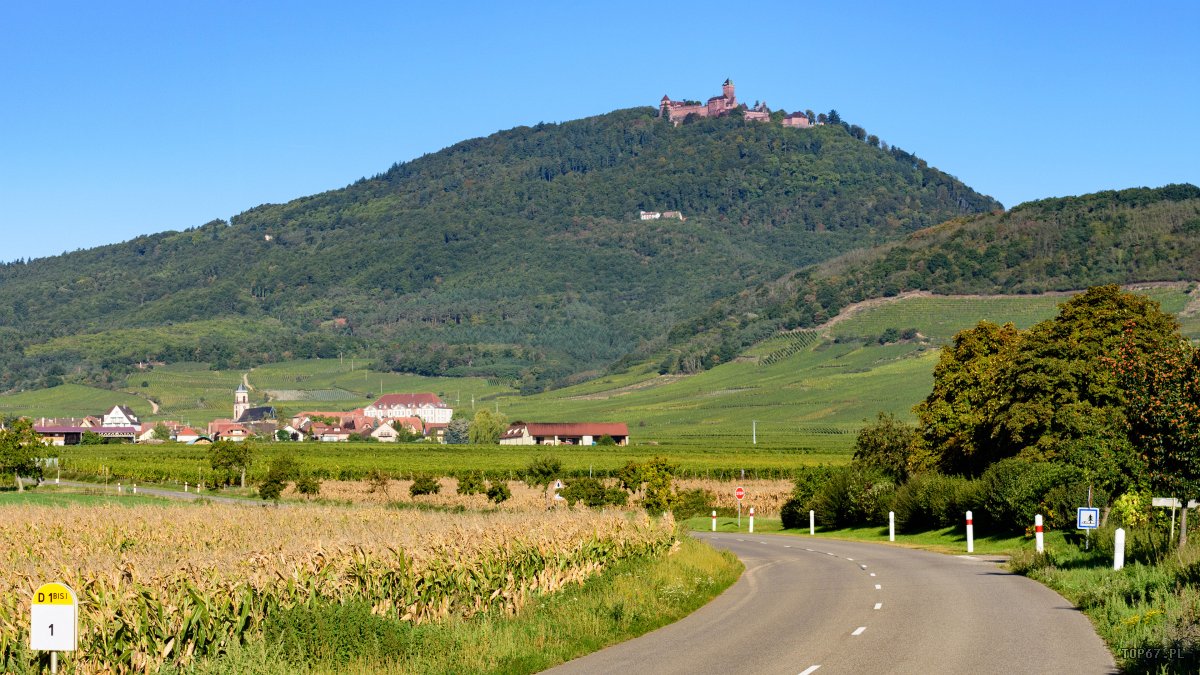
[
  {"x": 1121, "y": 237},
  {"x": 518, "y": 256}
]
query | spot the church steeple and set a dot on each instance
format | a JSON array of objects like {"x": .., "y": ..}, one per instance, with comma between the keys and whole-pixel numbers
[{"x": 241, "y": 401}]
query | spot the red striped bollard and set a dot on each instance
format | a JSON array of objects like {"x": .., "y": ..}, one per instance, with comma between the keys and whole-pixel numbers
[
  {"x": 751, "y": 520},
  {"x": 1037, "y": 533},
  {"x": 714, "y": 521},
  {"x": 970, "y": 533}
]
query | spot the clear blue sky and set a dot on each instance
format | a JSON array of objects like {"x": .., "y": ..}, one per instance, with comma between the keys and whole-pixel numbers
[{"x": 126, "y": 118}]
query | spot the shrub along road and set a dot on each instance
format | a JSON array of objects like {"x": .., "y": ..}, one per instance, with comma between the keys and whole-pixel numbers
[{"x": 804, "y": 605}]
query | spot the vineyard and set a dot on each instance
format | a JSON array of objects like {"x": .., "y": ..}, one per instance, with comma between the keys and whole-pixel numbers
[
  {"x": 167, "y": 586},
  {"x": 785, "y": 346},
  {"x": 175, "y": 463}
]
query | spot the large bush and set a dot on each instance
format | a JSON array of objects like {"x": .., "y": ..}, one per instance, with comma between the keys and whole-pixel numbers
[
  {"x": 690, "y": 503},
  {"x": 931, "y": 501},
  {"x": 853, "y": 495},
  {"x": 809, "y": 481},
  {"x": 1014, "y": 490}
]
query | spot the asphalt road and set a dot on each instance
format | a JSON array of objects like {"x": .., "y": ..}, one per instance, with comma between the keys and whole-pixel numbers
[{"x": 814, "y": 605}]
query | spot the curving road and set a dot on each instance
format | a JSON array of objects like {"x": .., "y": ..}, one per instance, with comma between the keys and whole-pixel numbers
[{"x": 807, "y": 605}]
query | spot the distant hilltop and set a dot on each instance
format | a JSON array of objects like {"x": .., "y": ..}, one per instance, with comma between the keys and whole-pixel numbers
[{"x": 726, "y": 103}]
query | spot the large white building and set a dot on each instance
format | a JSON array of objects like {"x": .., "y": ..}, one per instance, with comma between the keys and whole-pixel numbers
[{"x": 429, "y": 407}]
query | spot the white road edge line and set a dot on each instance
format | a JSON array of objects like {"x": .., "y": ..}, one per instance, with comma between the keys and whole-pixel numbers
[
  {"x": 809, "y": 670},
  {"x": 879, "y": 605},
  {"x": 859, "y": 630}
]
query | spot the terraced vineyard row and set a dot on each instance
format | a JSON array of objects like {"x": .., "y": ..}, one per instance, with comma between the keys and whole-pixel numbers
[{"x": 794, "y": 342}]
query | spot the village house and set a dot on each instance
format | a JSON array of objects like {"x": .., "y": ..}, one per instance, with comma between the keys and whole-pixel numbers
[
  {"x": 120, "y": 416},
  {"x": 564, "y": 433}
]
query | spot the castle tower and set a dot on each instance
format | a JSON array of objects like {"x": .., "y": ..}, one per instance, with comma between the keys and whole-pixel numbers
[
  {"x": 241, "y": 401},
  {"x": 727, "y": 92}
]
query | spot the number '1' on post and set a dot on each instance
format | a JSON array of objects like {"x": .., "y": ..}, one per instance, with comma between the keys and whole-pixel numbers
[{"x": 54, "y": 621}]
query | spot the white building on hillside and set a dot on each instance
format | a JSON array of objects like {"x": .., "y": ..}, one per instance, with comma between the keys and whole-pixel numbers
[{"x": 429, "y": 407}]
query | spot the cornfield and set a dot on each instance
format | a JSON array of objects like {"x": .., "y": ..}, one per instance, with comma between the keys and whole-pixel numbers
[
  {"x": 163, "y": 585},
  {"x": 766, "y": 496}
]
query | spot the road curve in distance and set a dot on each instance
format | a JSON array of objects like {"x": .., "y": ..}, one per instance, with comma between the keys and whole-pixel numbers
[{"x": 807, "y": 605}]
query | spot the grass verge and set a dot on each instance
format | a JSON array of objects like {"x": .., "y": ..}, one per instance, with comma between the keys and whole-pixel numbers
[
  {"x": 48, "y": 496},
  {"x": 1148, "y": 612},
  {"x": 950, "y": 540},
  {"x": 628, "y": 600}
]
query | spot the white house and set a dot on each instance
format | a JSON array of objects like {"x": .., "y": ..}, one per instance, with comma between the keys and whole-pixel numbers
[
  {"x": 120, "y": 416},
  {"x": 429, "y": 407}
]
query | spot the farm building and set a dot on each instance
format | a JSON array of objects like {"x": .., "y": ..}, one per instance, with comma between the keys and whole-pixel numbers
[{"x": 564, "y": 433}]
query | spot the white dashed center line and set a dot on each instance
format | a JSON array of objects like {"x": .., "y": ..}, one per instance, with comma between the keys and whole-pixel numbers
[
  {"x": 859, "y": 630},
  {"x": 809, "y": 670},
  {"x": 879, "y": 605},
  {"x": 878, "y": 587}
]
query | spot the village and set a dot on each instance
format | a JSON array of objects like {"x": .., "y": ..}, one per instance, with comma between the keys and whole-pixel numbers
[{"x": 389, "y": 419}]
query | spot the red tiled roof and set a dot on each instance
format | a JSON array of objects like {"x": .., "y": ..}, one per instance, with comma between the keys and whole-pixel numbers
[
  {"x": 569, "y": 429},
  {"x": 409, "y": 400}
]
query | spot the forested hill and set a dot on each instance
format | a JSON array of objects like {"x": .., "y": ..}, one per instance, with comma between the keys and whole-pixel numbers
[
  {"x": 1062, "y": 244},
  {"x": 519, "y": 255}
]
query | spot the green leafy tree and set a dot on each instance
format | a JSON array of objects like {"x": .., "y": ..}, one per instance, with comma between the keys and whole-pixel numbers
[
  {"x": 487, "y": 427},
  {"x": 281, "y": 470},
  {"x": 470, "y": 483},
  {"x": 19, "y": 447},
  {"x": 542, "y": 472},
  {"x": 498, "y": 491},
  {"x": 891, "y": 446},
  {"x": 953, "y": 418},
  {"x": 282, "y": 435},
  {"x": 308, "y": 485},
  {"x": 1162, "y": 398},
  {"x": 659, "y": 495},
  {"x": 631, "y": 476},
  {"x": 424, "y": 484},
  {"x": 229, "y": 461},
  {"x": 161, "y": 432}
]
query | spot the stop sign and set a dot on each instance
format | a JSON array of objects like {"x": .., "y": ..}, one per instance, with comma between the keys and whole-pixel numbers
[{"x": 739, "y": 493}]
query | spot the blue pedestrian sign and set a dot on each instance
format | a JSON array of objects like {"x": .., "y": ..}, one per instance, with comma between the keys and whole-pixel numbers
[{"x": 1087, "y": 518}]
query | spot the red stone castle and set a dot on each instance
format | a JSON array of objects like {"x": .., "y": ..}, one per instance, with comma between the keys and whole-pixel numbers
[{"x": 724, "y": 104}]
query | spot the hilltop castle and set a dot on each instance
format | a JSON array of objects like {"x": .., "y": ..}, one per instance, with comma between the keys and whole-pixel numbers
[{"x": 724, "y": 104}]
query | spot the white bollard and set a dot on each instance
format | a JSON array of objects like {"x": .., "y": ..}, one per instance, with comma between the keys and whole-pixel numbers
[
  {"x": 185, "y": 486},
  {"x": 1037, "y": 533},
  {"x": 135, "y": 488},
  {"x": 714, "y": 521},
  {"x": 812, "y": 523},
  {"x": 118, "y": 488},
  {"x": 970, "y": 533},
  {"x": 1119, "y": 551},
  {"x": 891, "y": 526},
  {"x": 751, "y": 520}
]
